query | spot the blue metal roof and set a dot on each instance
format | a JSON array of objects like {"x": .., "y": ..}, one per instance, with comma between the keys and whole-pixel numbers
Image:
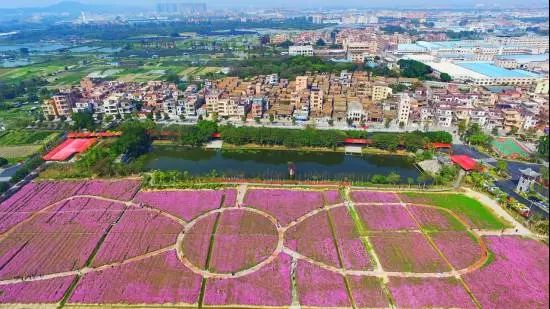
[
  {"x": 493, "y": 71},
  {"x": 526, "y": 58}
]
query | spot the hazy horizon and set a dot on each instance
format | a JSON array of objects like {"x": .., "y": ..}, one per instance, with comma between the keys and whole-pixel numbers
[{"x": 300, "y": 3}]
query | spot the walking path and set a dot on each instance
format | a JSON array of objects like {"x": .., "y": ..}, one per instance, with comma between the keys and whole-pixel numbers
[{"x": 497, "y": 209}]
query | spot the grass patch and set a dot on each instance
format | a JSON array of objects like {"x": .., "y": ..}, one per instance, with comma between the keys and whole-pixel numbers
[
  {"x": 465, "y": 207},
  {"x": 18, "y": 153},
  {"x": 25, "y": 137}
]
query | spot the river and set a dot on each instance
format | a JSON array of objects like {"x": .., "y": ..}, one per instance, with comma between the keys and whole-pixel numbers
[{"x": 274, "y": 164}]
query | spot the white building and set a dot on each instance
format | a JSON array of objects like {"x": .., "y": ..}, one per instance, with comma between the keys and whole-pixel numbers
[
  {"x": 356, "y": 112},
  {"x": 300, "y": 50},
  {"x": 404, "y": 109}
]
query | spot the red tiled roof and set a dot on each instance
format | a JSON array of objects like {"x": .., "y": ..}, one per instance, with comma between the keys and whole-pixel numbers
[
  {"x": 465, "y": 162},
  {"x": 358, "y": 141},
  {"x": 68, "y": 148},
  {"x": 439, "y": 145}
]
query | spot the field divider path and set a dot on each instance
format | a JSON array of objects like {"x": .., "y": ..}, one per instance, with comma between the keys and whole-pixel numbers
[
  {"x": 241, "y": 193},
  {"x": 210, "y": 251},
  {"x": 339, "y": 254},
  {"x": 440, "y": 253},
  {"x": 368, "y": 245},
  {"x": 295, "y": 304}
]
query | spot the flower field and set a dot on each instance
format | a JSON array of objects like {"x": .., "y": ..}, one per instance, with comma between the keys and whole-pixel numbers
[
  {"x": 407, "y": 252},
  {"x": 434, "y": 219},
  {"x": 430, "y": 293},
  {"x": 242, "y": 240},
  {"x": 517, "y": 277},
  {"x": 285, "y": 205},
  {"x": 106, "y": 243},
  {"x": 254, "y": 289},
  {"x": 386, "y": 217},
  {"x": 138, "y": 232},
  {"x": 187, "y": 204},
  {"x": 319, "y": 246},
  {"x": 374, "y": 197}
]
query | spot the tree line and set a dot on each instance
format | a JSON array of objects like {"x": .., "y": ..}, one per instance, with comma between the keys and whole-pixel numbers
[{"x": 293, "y": 138}]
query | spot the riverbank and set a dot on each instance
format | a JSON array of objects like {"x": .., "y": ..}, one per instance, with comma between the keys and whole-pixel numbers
[{"x": 227, "y": 146}]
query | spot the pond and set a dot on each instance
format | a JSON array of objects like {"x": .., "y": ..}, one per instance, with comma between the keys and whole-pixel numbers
[{"x": 274, "y": 164}]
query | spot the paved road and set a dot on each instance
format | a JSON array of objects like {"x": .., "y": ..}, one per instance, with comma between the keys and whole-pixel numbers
[
  {"x": 460, "y": 149},
  {"x": 508, "y": 185}
]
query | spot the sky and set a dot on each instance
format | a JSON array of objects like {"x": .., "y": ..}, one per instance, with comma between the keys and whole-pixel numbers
[{"x": 297, "y": 3}]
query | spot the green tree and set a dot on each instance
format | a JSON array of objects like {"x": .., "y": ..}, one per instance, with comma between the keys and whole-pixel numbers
[
  {"x": 83, "y": 120},
  {"x": 445, "y": 77},
  {"x": 172, "y": 77},
  {"x": 414, "y": 69},
  {"x": 393, "y": 178},
  {"x": 501, "y": 166},
  {"x": 462, "y": 126},
  {"x": 135, "y": 139},
  {"x": 379, "y": 179},
  {"x": 320, "y": 42},
  {"x": 543, "y": 146}
]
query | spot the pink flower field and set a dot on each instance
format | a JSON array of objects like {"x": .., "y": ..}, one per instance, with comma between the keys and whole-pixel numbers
[
  {"x": 518, "y": 276},
  {"x": 353, "y": 252},
  {"x": 407, "y": 252},
  {"x": 374, "y": 197},
  {"x": 59, "y": 240},
  {"x": 320, "y": 288},
  {"x": 31, "y": 198},
  {"x": 389, "y": 217},
  {"x": 187, "y": 204},
  {"x": 435, "y": 219},
  {"x": 106, "y": 244},
  {"x": 157, "y": 280},
  {"x": 313, "y": 239},
  {"x": 35, "y": 292},
  {"x": 122, "y": 190},
  {"x": 196, "y": 242},
  {"x": 242, "y": 240},
  {"x": 270, "y": 286},
  {"x": 367, "y": 292},
  {"x": 430, "y": 293},
  {"x": 285, "y": 205},
  {"x": 332, "y": 197},
  {"x": 138, "y": 232},
  {"x": 460, "y": 248}
]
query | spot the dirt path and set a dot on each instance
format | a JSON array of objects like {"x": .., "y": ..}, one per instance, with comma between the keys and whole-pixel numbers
[
  {"x": 497, "y": 209},
  {"x": 241, "y": 192}
]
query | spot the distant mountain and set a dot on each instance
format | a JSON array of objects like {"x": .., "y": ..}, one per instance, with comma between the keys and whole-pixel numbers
[{"x": 70, "y": 8}]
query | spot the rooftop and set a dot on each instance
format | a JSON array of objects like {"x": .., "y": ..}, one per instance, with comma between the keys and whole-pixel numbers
[{"x": 492, "y": 71}]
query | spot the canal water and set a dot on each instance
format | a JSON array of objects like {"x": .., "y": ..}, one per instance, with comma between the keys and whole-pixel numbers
[{"x": 274, "y": 164}]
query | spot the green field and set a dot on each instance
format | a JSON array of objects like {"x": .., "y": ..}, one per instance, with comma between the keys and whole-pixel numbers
[
  {"x": 465, "y": 207},
  {"x": 18, "y": 153},
  {"x": 24, "y": 137}
]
